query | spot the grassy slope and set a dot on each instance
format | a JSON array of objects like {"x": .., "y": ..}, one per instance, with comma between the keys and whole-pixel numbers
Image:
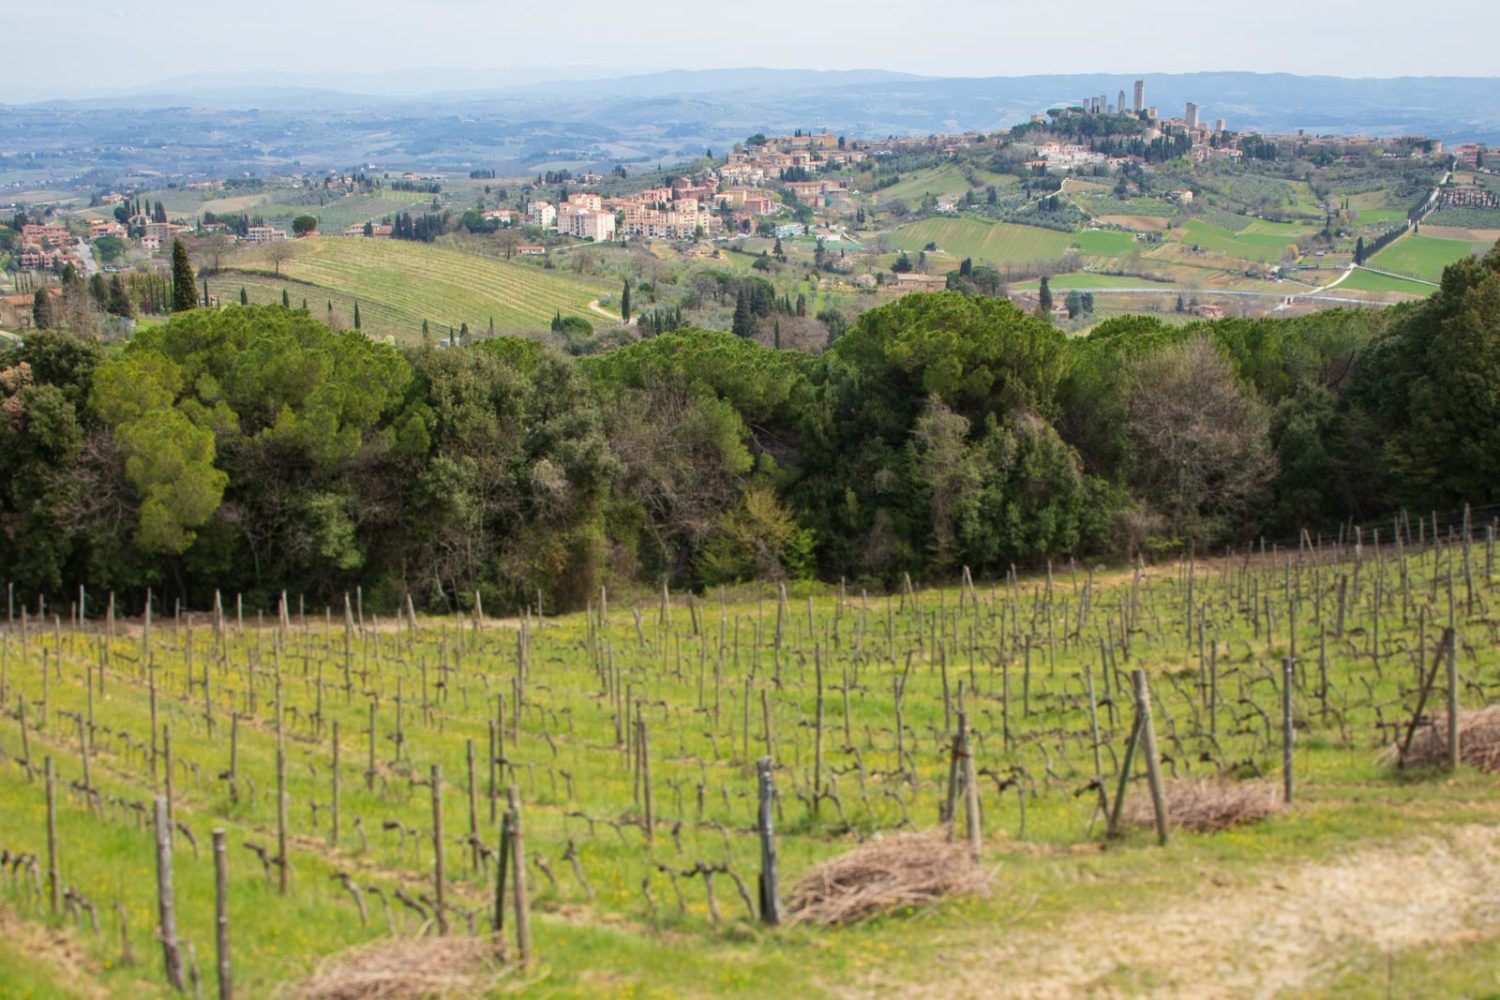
[
  {"x": 400, "y": 283},
  {"x": 1422, "y": 256},
  {"x": 1248, "y": 245},
  {"x": 1053, "y": 873},
  {"x": 1367, "y": 281},
  {"x": 984, "y": 242}
]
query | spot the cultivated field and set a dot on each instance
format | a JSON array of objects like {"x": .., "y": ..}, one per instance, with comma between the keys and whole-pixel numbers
[
  {"x": 1423, "y": 256},
  {"x": 629, "y": 735},
  {"x": 982, "y": 241},
  {"x": 1369, "y": 281},
  {"x": 401, "y": 283}
]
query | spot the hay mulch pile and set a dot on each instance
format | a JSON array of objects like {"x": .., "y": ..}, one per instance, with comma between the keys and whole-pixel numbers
[
  {"x": 403, "y": 968},
  {"x": 1478, "y": 740},
  {"x": 1205, "y": 805},
  {"x": 886, "y": 874}
]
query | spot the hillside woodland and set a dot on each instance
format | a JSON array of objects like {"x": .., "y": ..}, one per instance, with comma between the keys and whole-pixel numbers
[{"x": 255, "y": 449}]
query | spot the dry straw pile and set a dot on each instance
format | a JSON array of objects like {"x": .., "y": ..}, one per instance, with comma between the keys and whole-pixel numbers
[
  {"x": 402, "y": 968},
  {"x": 886, "y": 874},
  {"x": 1204, "y": 805},
  {"x": 1478, "y": 740}
]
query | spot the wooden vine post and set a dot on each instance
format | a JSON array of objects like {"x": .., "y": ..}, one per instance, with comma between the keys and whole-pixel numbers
[
  {"x": 54, "y": 874},
  {"x": 518, "y": 863},
  {"x": 770, "y": 903},
  {"x": 1287, "y": 732},
  {"x": 221, "y": 916},
  {"x": 166, "y": 904},
  {"x": 440, "y": 904},
  {"x": 1148, "y": 746}
]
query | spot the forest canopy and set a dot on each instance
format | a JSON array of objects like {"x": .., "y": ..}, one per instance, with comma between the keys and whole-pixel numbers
[{"x": 253, "y": 449}]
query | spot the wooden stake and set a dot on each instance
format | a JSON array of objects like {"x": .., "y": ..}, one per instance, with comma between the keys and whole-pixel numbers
[
  {"x": 770, "y": 903},
  {"x": 437, "y": 849},
  {"x": 1148, "y": 745},
  {"x": 54, "y": 875},
  {"x": 221, "y": 914},
  {"x": 518, "y": 862},
  {"x": 166, "y": 905}
]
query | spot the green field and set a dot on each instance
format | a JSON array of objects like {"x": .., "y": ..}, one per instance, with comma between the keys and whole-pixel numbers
[
  {"x": 1110, "y": 205},
  {"x": 1423, "y": 256},
  {"x": 1249, "y": 245},
  {"x": 944, "y": 182},
  {"x": 399, "y": 283},
  {"x": 629, "y": 736},
  {"x": 983, "y": 242},
  {"x": 1105, "y": 242},
  {"x": 1088, "y": 279},
  {"x": 1368, "y": 281},
  {"x": 341, "y": 213}
]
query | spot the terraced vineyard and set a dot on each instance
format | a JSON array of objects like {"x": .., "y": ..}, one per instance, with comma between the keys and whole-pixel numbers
[
  {"x": 399, "y": 283},
  {"x": 358, "y": 767}
]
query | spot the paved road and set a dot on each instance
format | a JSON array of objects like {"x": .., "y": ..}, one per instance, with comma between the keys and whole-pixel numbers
[{"x": 86, "y": 254}]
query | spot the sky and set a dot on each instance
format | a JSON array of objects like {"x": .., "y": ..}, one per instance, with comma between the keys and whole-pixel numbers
[{"x": 108, "y": 45}]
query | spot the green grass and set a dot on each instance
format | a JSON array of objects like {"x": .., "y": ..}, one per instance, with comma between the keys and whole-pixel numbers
[
  {"x": 341, "y": 213},
  {"x": 1422, "y": 256},
  {"x": 1382, "y": 217},
  {"x": 1248, "y": 245},
  {"x": 983, "y": 242},
  {"x": 1105, "y": 242},
  {"x": 1020, "y": 659},
  {"x": 399, "y": 283},
  {"x": 943, "y": 182},
  {"x": 1110, "y": 205},
  {"x": 1367, "y": 281},
  {"x": 1088, "y": 279}
]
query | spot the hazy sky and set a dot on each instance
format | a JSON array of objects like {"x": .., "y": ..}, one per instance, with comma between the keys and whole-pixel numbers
[{"x": 64, "y": 47}]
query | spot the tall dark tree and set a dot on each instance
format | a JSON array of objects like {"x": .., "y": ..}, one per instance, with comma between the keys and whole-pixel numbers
[
  {"x": 1044, "y": 298},
  {"x": 41, "y": 310},
  {"x": 286, "y": 300},
  {"x": 184, "y": 290},
  {"x": 625, "y": 302},
  {"x": 1359, "y": 250},
  {"x": 119, "y": 299},
  {"x": 356, "y": 315},
  {"x": 244, "y": 298},
  {"x": 98, "y": 290},
  {"x": 744, "y": 325}
]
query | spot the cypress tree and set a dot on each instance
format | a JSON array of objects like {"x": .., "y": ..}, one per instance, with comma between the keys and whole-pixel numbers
[
  {"x": 119, "y": 301},
  {"x": 184, "y": 290},
  {"x": 244, "y": 299},
  {"x": 286, "y": 300},
  {"x": 625, "y": 301},
  {"x": 356, "y": 315},
  {"x": 1045, "y": 298},
  {"x": 41, "y": 310},
  {"x": 743, "y": 325}
]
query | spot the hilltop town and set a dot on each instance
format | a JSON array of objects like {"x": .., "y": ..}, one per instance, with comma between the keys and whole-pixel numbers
[{"x": 1112, "y": 203}]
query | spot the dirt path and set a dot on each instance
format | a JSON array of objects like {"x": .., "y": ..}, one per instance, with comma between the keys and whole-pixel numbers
[
  {"x": 1284, "y": 931},
  {"x": 596, "y": 307}
]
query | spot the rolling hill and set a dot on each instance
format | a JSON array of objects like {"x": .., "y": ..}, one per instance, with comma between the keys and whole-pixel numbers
[{"x": 398, "y": 284}]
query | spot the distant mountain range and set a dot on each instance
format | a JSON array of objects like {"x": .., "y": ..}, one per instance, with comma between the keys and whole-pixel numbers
[{"x": 445, "y": 119}]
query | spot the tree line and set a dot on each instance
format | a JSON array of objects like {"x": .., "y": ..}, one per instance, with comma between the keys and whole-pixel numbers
[{"x": 254, "y": 449}]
